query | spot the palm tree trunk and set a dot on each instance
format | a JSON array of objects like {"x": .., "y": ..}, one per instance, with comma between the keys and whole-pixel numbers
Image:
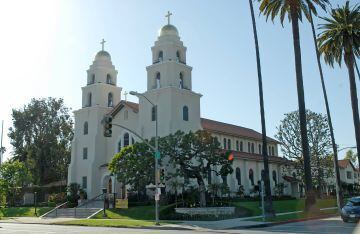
[
  {"x": 357, "y": 68},
  {"x": 269, "y": 211},
  {"x": 349, "y": 59},
  {"x": 310, "y": 195},
  {"x": 339, "y": 197}
]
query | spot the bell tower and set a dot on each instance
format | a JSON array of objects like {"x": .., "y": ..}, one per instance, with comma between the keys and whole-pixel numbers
[{"x": 169, "y": 86}]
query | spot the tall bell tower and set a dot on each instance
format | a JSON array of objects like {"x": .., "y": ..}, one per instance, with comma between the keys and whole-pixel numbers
[
  {"x": 169, "y": 86},
  {"x": 88, "y": 148}
]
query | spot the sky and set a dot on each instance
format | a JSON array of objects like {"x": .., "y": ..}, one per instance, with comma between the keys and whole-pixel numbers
[{"x": 47, "y": 46}]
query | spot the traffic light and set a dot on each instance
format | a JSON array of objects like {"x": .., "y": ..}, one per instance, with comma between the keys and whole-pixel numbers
[
  {"x": 162, "y": 175},
  {"x": 107, "y": 126}
]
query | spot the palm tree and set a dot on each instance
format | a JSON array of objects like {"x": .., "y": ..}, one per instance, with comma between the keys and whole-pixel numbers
[
  {"x": 334, "y": 146},
  {"x": 269, "y": 211},
  {"x": 294, "y": 10},
  {"x": 340, "y": 39}
]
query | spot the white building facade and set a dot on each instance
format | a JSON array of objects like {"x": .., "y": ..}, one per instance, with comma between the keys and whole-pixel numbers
[{"x": 169, "y": 86}]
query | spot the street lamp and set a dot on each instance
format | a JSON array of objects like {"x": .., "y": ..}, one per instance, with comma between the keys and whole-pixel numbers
[{"x": 157, "y": 156}]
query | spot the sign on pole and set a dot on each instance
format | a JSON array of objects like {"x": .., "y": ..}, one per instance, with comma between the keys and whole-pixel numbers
[
  {"x": 122, "y": 203},
  {"x": 157, "y": 197},
  {"x": 157, "y": 154}
]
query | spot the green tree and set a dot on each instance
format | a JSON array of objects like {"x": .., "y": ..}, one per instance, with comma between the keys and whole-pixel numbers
[
  {"x": 338, "y": 40},
  {"x": 294, "y": 9},
  {"x": 194, "y": 155},
  {"x": 41, "y": 136},
  {"x": 13, "y": 176},
  {"x": 319, "y": 142},
  {"x": 269, "y": 211},
  {"x": 134, "y": 165},
  {"x": 352, "y": 157}
]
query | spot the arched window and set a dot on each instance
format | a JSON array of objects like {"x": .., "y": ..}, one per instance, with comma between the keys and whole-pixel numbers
[
  {"x": 185, "y": 113},
  {"x": 110, "y": 100},
  {"x": 108, "y": 79},
  {"x": 273, "y": 151},
  {"x": 238, "y": 175},
  {"x": 119, "y": 146},
  {"x": 160, "y": 56},
  {"x": 251, "y": 176},
  {"x": 252, "y": 148},
  {"x": 294, "y": 174},
  {"x": 92, "y": 81},
  {"x": 229, "y": 144},
  {"x": 249, "y": 147},
  {"x": 157, "y": 80},
  {"x": 263, "y": 175},
  {"x": 153, "y": 113},
  {"x": 132, "y": 140},
  {"x": 269, "y": 151},
  {"x": 89, "y": 99},
  {"x": 237, "y": 145},
  {"x": 260, "y": 148},
  {"x": 241, "y": 146},
  {"x": 181, "y": 81},
  {"x": 126, "y": 139},
  {"x": 126, "y": 114},
  {"x": 178, "y": 56},
  {"x": 86, "y": 128},
  {"x": 274, "y": 177},
  {"x": 224, "y": 143}
]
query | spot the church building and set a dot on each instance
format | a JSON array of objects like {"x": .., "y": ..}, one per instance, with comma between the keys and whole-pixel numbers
[{"x": 169, "y": 87}]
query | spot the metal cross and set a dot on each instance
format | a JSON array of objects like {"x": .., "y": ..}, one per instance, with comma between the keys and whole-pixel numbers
[
  {"x": 125, "y": 94},
  {"x": 168, "y": 16},
  {"x": 102, "y": 44}
]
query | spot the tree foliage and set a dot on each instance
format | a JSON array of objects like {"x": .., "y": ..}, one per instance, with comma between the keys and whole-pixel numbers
[
  {"x": 41, "y": 135},
  {"x": 13, "y": 176},
  {"x": 319, "y": 144},
  {"x": 134, "y": 165},
  {"x": 350, "y": 155},
  {"x": 193, "y": 155}
]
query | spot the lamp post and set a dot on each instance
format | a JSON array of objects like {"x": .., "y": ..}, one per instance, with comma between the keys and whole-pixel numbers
[
  {"x": 157, "y": 156},
  {"x": 35, "y": 202},
  {"x": 104, "y": 197}
]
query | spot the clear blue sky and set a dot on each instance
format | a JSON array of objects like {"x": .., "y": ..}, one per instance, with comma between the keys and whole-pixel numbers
[{"x": 47, "y": 46}]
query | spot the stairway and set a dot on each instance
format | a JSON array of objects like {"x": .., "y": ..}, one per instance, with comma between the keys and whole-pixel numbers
[{"x": 81, "y": 213}]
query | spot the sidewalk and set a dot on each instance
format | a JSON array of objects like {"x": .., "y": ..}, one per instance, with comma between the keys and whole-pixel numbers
[{"x": 34, "y": 220}]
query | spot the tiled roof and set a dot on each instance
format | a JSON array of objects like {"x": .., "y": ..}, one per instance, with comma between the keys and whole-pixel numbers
[
  {"x": 234, "y": 130},
  {"x": 290, "y": 179},
  {"x": 121, "y": 104},
  {"x": 344, "y": 163},
  {"x": 259, "y": 157}
]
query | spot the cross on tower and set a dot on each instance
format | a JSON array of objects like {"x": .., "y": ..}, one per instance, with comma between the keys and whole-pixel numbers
[
  {"x": 102, "y": 44},
  {"x": 125, "y": 94},
  {"x": 168, "y": 16}
]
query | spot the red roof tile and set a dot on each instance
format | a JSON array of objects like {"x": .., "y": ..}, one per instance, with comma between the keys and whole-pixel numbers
[
  {"x": 259, "y": 157},
  {"x": 234, "y": 130}
]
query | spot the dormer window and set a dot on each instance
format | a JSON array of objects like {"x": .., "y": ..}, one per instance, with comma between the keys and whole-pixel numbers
[
  {"x": 108, "y": 79},
  {"x": 160, "y": 56},
  {"x": 157, "y": 80}
]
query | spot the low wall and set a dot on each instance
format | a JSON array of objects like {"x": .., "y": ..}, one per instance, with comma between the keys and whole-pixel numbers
[{"x": 216, "y": 211}]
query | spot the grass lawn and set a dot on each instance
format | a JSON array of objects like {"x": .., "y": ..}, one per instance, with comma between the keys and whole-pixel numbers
[
  {"x": 136, "y": 213},
  {"x": 110, "y": 222},
  {"x": 285, "y": 205},
  {"x": 23, "y": 211}
]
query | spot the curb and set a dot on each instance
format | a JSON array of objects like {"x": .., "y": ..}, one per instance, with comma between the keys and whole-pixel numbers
[{"x": 284, "y": 222}]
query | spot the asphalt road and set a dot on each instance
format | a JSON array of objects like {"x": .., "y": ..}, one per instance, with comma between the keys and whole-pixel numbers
[{"x": 324, "y": 226}]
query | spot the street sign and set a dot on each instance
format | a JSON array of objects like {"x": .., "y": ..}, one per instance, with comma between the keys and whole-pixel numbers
[
  {"x": 158, "y": 190},
  {"x": 157, "y": 197},
  {"x": 121, "y": 203},
  {"x": 157, "y": 154}
]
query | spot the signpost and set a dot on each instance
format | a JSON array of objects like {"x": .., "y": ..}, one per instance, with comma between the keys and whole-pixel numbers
[{"x": 122, "y": 203}]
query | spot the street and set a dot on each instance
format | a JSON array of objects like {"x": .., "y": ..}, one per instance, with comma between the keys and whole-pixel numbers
[{"x": 329, "y": 225}]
